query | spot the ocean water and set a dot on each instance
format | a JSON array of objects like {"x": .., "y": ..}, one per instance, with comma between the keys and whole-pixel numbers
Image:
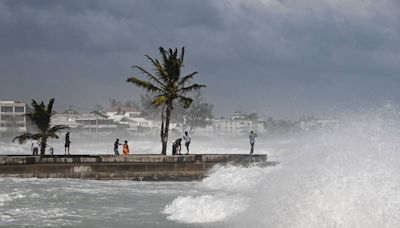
[{"x": 347, "y": 175}]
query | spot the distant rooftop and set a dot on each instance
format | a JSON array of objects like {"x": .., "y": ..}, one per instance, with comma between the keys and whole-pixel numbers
[
  {"x": 122, "y": 109},
  {"x": 11, "y": 102},
  {"x": 70, "y": 111}
]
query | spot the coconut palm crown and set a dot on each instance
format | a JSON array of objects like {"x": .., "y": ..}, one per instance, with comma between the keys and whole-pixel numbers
[
  {"x": 41, "y": 117},
  {"x": 167, "y": 85}
]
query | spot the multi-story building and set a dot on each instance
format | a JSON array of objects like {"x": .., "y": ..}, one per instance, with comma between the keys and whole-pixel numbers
[
  {"x": 95, "y": 123},
  {"x": 238, "y": 125},
  {"x": 12, "y": 118}
]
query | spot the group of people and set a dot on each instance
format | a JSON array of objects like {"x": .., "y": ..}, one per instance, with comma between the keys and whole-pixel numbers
[
  {"x": 125, "y": 147},
  {"x": 35, "y": 145},
  {"x": 176, "y": 145}
]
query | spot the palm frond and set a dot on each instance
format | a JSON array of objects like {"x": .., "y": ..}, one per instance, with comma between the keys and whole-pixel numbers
[
  {"x": 50, "y": 106},
  {"x": 190, "y": 89},
  {"x": 159, "y": 100},
  {"x": 185, "y": 101},
  {"x": 25, "y": 137},
  {"x": 158, "y": 67},
  {"x": 164, "y": 55},
  {"x": 58, "y": 128},
  {"x": 149, "y": 75},
  {"x": 144, "y": 84},
  {"x": 182, "y": 54},
  {"x": 35, "y": 105},
  {"x": 187, "y": 78},
  {"x": 52, "y": 135}
]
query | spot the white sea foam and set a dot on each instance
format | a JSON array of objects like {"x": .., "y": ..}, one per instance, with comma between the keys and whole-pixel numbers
[
  {"x": 14, "y": 148},
  {"x": 5, "y": 198},
  {"x": 205, "y": 208},
  {"x": 234, "y": 178}
]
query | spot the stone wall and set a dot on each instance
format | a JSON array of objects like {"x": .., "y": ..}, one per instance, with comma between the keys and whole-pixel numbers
[{"x": 134, "y": 167}]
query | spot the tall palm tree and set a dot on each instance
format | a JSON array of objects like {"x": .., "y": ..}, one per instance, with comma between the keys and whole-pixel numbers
[
  {"x": 41, "y": 116},
  {"x": 167, "y": 85}
]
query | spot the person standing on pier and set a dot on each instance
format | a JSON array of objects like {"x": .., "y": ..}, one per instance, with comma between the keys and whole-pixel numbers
[
  {"x": 35, "y": 147},
  {"x": 252, "y": 138},
  {"x": 116, "y": 144},
  {"x": 67, "y": 143},
  {"x": 125, "y": 149},
  {"x": 178, "y": 146},
  {"x": 187, "y": 141}
]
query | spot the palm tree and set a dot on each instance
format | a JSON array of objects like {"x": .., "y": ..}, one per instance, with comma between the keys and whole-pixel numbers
[
  {"x": 40, "y": 116},
  {"x": 167, "y": 85}
]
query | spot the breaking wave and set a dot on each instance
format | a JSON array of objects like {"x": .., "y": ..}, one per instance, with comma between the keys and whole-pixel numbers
[{"x": 347, "y": 175}]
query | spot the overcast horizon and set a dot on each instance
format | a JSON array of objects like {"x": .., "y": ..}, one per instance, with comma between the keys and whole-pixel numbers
[{"x": 281, "y": 58}]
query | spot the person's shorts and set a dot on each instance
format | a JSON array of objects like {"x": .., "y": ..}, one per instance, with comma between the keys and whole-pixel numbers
[
  {"x": 66, "y": 145},
  {"x": 187, "y": 144}
]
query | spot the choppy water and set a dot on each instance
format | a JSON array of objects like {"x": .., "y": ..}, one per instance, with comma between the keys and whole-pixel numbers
[{"x": 345, "y": 176}]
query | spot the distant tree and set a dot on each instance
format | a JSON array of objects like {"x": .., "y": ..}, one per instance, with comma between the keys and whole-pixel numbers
[
  {"x": 167, "y": 85},
  {"x": 198, "y": 115},
  {"x": 40, "y": 117},
  {"x": 252, "y": 116},
  {"x": 98, "y": 108},
  {"x": 131, "y": 104},
  {"x": 114, "y": 103}
]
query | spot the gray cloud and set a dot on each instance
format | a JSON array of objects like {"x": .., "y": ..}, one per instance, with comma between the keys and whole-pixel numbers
[{"x": 282, "y": 58}]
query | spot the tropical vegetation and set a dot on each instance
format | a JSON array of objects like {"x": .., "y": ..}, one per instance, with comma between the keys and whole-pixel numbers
[
  {"x": 40, "y": 117},
  {"x": 166, "y": 85}
]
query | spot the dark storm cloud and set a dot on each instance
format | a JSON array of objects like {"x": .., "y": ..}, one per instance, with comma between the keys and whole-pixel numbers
[
  {"x": 95, "y": 26},
  {"x": 274, "y": 57}
]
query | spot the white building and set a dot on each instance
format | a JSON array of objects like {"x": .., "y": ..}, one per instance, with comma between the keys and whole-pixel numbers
[
  {"x": 239, "y": 124},
  {"x": 120, "y": 112},
  {"x": 90, "y": 123},
  {"x": 237, "y": 127},
  {"x": 95, "y": 123},
  {"x": 12, "y": 118},
  {"x": 67, "y": 118}
]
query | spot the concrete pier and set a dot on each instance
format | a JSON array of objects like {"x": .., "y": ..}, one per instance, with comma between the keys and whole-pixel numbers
[{"x": 134, "y": 167}]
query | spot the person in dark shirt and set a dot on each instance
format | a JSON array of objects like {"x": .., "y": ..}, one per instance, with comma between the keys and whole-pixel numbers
[
  {"x": 252, "y": 138},
  {"x": 67, "y": 143},
  {"x": 178, "y": 146},
  {"x": 116, "y": 144}
]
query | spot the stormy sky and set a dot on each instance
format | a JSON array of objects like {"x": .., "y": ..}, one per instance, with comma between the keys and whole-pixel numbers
[{"x": 280, "y": 58}]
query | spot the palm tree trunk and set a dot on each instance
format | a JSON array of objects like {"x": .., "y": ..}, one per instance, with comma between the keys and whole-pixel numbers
[
  {"x": 162, "y": 129},
  {"x": 43, "y": 146},
  {"x": 166, "y": 129}
]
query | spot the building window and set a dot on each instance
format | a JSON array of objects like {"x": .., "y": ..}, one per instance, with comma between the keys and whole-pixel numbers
[
  {"x": 19, "y": 118},
  {"x": 7, "y": 117},
  {"x": 7, "y": 109},
  {"x": 19, "y": 109}
]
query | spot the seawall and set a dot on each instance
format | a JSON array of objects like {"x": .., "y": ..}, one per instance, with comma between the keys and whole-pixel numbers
[{"x": 134, "y": 167}]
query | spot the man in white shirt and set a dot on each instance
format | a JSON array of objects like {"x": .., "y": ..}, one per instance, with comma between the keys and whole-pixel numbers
[
  {"x": 187, "y": 141},
  {"x": 35, "y": 147},
  {"x": 252, "y": 138}
]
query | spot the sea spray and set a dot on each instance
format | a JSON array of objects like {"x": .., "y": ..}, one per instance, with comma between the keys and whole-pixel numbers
[
  {"x": 342, "y": 176},
  {"x": 345, "y": 175}
]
